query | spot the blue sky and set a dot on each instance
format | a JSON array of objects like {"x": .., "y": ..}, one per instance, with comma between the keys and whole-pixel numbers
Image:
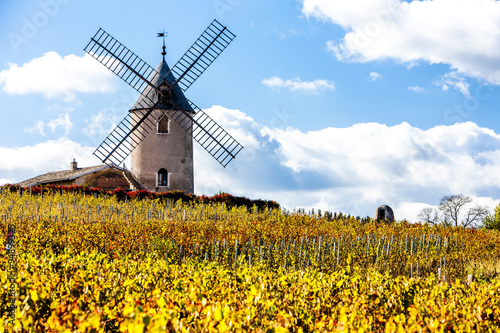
[{"x": 341, "y": 105}]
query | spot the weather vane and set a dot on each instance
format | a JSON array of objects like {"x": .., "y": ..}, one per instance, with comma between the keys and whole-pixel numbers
[{"x": 164, "y": 35}]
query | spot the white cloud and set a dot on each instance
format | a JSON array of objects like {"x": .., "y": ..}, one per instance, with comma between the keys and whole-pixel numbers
[
  {"x": 455, "y": 80},
  {"x": 374, "y": 76},
  {"x": 17, "y": 164},
  {"x": 311, "y": 87},
  {"x": 54, "y": 76},
  {"x": 102, "y": 123},
  {"x": 464, "y": 34},
  {"x": 38, "y": 128},
  {"x": 416, "y": 89},
  {"x": 4, "y": 181},
  {"x": 355, "y": 169},
  {"x": 63, "y": 121}
]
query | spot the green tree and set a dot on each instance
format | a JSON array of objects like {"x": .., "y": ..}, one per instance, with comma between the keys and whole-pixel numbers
[{"x": 493, "y": 221}]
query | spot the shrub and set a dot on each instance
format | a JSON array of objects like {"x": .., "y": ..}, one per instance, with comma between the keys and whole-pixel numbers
[{"x": 493, "y": 221}]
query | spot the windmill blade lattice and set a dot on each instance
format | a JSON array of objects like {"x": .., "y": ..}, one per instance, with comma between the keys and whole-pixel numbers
[
  {"x": 202, "y": 54},
  {"x": 210, "y": 135},
  {"x": 121, "y": 61},
  {"x": 126, "y": 136}
]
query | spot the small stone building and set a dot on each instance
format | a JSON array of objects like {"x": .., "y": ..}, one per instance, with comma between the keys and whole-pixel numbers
[
  {"x": 384, "y": 213},
  {"x": 101, "y": 176}
]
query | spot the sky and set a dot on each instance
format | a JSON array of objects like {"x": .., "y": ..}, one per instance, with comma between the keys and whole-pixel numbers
[{"x": 341, "y": 105}]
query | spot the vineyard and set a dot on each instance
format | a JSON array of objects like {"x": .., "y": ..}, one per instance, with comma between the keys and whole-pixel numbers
[{"x": 99, "y": 263}]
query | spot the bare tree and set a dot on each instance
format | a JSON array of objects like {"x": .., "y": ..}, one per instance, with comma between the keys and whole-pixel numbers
[
  {"x": 428, "y": 215},
  {"x": 475, "y": 216},
  {"x": 451, "y": 205}
]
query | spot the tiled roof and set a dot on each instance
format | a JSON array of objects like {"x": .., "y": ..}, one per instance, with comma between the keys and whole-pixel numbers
[
  {"x": 177, "y": 96},
  {"x": 59, "y": 176}
]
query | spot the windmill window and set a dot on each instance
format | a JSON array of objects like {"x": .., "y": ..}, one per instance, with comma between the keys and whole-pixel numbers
[
  {"x": 162, "y": 177},
  {"x": 163, "y": 126}
]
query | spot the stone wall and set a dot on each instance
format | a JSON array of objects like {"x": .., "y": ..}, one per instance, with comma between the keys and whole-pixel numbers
[{"x": 172, "y": 151}]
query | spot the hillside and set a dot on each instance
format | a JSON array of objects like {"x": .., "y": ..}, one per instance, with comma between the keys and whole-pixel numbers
[{"x": 95, "y": 262}]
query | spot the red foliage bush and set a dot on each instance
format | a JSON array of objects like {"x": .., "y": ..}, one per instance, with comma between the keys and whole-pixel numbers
[{"x": 227, "y": 199}]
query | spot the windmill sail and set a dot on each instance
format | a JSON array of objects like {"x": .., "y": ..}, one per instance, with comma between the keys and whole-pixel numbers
[
  {"x": 210, "y": 135},
  {"x": 139, "y": 75},
  {"x": 202, "y": 54},
  {"x": 121, "y": 61},
  {"x": 126, "y": 136}
]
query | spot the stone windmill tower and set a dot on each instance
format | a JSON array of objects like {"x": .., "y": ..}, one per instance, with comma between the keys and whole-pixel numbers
[
  {"x": 159, "y": 129},
  {"x": 164, "y": 159}
]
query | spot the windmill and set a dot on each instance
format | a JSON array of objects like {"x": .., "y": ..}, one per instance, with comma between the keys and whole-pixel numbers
[{"x": 163, "y": 159}]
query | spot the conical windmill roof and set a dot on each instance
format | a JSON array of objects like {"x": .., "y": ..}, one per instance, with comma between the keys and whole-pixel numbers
[{"x": 176, "y": 96}]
